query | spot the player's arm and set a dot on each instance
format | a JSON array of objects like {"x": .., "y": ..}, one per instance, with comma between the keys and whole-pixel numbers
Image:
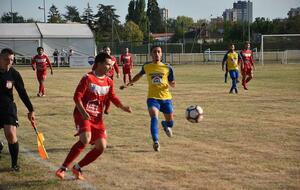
[
  {"x": 224, "y": 61},
  {"x": 50, "y": 65},
  {"x": 171, "y": 78},
  {"x": 252, "y": 61},
  {"x": 78, "y": 95},
  {"x": 115, "y": 100},
  {"x": 33, "y": 63},
  {"x": 116, "y": 67},
  {"x": 19, "y": 85},
  {"x": 131, "y": 63}
]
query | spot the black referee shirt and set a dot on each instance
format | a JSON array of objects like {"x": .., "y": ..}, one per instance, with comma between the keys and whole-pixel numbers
[{"x": 8, "y": 80}]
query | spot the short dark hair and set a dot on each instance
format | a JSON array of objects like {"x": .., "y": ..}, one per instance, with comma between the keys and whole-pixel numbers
[
  {"x": 100, "y": 58},
  {"x": 155, "y": 46},
  {"x": 7, "y": 51},
  {"x": 39, "y": 48},
  {"x": 104, "y": 47}
]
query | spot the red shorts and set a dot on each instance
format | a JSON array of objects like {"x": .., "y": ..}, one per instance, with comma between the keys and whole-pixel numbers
[
  {"x": 41, "y": 75},
  {"x": 96, "y": 128},
  {"x": 247, "y": 70},
  {"x": 126, "y": 70}
]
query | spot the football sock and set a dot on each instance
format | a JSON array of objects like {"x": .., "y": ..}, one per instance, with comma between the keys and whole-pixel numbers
[
  {"x": 168, "y": 123},
  {"x": 90, "y": 157},
  {"x": 248, "y": 79},
  {"x": 74, "y": 152},
  {"x": 124, "y": 79},
  {"x": 154, "y": 128},
  {"x": 14, "y": 152}
]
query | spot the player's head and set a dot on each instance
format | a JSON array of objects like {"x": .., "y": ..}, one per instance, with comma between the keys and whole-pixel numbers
[
  {"x": 126, "y": 50},
  {"x": 231, "y": 47},
  {"x": 106, "y": 49},
  {"x": 6, "y": 58},
  {"x": 40, "y": 50},
  {"x": 103, "y": 63},
  {"x": 156, "y": 53},
  {"x": 247, "y": 45}
]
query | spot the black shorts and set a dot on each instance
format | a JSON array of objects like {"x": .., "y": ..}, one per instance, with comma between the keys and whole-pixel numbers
[{"x": 9, "y": 116}]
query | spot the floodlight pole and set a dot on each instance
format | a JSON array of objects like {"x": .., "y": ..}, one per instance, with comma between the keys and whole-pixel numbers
[
  {"x": 11, "y": 11},
  {"x": 44, "y": 8}
]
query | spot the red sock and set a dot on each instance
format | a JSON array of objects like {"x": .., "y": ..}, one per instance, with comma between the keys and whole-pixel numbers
[
  {"x": 124, "y": 78},
  {"x": 74, "y": 152},
  {"x": 90, "y": 157}
]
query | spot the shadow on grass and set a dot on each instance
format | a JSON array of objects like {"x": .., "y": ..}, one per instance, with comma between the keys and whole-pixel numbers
[{"x": 27, "y": 184}]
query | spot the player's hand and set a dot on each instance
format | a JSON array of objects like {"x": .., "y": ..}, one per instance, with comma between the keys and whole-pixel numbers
[
  {"x": 118, "y": 75},
  {"x": 31, "y": 116},
  {"x": 122, "y": 87},
  {"x": 85, "y": 116},
  {"x": 126, "y": 109},
  {"x": 172, "y": 83}
]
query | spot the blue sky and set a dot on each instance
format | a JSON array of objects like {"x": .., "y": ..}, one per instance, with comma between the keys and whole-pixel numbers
[{"x": 197, "y": 9}]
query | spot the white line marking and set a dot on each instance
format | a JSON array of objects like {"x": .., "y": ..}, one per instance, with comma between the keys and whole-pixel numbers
[{"x": 81, "y": 183}]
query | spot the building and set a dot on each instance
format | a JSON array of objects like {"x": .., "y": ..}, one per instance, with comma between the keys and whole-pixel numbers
[
  {"x": 294, "y": 12},
  {"x": 242, "y": 11},
  {"x": 230, "y": 15},
  {"x": 164, "y": 14}
]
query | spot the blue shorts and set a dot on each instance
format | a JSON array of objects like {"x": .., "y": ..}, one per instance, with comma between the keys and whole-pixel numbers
[
  {"x": 234, "y": 74},
  {"x": 164, "y": 106}
]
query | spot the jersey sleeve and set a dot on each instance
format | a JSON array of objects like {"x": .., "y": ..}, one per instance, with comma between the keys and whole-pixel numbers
[
  {"x": 171, "y": 73},
  {"x": 81, "y": 88},
  {"x": 142, "y": 71},
  {"x": 19, "y": 85},
  {"x": 225, "y": 57}
]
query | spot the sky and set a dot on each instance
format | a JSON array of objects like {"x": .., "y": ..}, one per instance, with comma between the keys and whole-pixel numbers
[{"x": 196, "y": 9}]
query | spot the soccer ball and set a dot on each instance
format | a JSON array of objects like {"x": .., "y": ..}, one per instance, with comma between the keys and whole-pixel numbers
[{"x": 194, "y": 114}]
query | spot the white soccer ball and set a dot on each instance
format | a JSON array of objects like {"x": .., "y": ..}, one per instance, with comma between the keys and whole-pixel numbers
[{"x": 194, "y": 114}]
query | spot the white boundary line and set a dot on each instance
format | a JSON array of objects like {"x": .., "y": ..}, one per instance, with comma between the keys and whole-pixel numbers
[{"x": 81, "y": 183}]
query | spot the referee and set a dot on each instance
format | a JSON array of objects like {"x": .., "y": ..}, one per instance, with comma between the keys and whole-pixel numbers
[{"x": 10, "y": 78}]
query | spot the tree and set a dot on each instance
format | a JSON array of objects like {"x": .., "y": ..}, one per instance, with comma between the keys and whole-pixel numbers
[
  {"x": 106, "y": 19},
  {"x": 132, "y": 32},
  {"x": 155, "y": 20},
  {"x": 88, "y": 17},
  {"x": 54, "y": 15},
  {"x": 7, "y": 18},
  {"x": 72, "y": 14},
  {"x": 137, "y": 14}
]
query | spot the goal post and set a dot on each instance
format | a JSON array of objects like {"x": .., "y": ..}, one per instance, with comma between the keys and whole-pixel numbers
[{"x": 280, "y": 48}]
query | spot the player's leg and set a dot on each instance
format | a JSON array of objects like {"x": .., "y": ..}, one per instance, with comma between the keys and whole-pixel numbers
[
  {"x": 233, "y": 76},
  {"x": 244, "y": 76},
  {"x": 167, "y": 109},
  {"x": 153, "y": 109},
  {"x": 250, "y": 75},
  {"x": 10, "y": 132},
  {"x": 99, "y": 139}
]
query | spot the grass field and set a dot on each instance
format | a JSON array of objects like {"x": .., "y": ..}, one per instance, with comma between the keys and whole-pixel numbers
[{"x": 246, "y": 141}]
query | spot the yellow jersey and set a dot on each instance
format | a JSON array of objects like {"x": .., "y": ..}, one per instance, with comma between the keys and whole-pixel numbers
[
  {"x": 158, "y": 76},
  {"x": 232, "y": 59}
]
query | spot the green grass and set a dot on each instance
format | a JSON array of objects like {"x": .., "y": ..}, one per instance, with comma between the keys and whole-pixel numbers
[{"x": 246, "y": 141}]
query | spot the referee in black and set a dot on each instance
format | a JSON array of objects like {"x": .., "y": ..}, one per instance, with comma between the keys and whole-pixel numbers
[{"x": 9, "y": 79}]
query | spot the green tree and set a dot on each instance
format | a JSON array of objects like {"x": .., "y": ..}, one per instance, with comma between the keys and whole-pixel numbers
[
  {"x": 7, "y": 18},
  {"x": 132, "y": 32},
  {"x": 106, "y": 19},
  {"x": 153, "y": 14},
  {"x": 137, "y": 14},
  {"x": 54, "y": 15},
  {"x": 88, "y": 17},
  {"x": 72, "y": 14}
]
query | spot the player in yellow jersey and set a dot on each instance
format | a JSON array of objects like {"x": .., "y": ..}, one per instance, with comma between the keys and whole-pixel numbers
[
  {"x": 231, "y": 59},
  {"x": 160, "y": 77}
]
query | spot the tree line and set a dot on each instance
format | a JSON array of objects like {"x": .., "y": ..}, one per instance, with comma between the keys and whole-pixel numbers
[{"x": 143, "y": 19}]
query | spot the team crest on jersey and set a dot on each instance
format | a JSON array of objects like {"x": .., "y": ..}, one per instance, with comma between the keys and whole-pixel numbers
[
  {"x": 156, "y": 78},
  {"x": 99, "y": 90},
  {"x": 9, "y": 84}
]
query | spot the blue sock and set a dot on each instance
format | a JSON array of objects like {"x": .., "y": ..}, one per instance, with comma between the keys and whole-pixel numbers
[
  {"x": 154, "y": 128},
  {"x": 167, "y": 123}
]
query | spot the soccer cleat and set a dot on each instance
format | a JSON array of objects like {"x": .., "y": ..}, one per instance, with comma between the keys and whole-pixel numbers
[
  {"x": 77, "y": 173},
  {"x": 15, "y": 168},
  {"x": 245, "y": 87},
  {"x": 167, "y": 130},
  {"x": 106, "y": 112},
  {"x": 156, "y": 146},
  {"x": 60, "y": 173},
  {"x": 39, "y": 94}
]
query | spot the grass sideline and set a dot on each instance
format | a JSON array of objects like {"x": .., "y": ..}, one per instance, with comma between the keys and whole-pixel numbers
[{"x": 246, "y": 141}]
